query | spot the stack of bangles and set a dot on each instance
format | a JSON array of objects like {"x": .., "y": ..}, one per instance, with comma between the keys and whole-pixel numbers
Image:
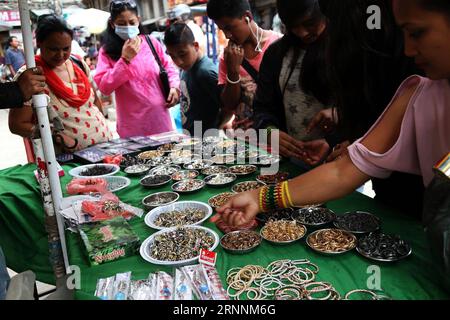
[{"x": 275, "y": 197}]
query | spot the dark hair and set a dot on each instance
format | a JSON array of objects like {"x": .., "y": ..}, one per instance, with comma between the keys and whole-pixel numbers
[
  {"x": 291, "y": 12},
  {"x": 218, "y": 9},
  {"x": 10, "y": 39},
  {"x": 311, "y": 79},
  {"x": 178, "y": 33},
  {"x": 49, "y": 24},
  {"x": 110, "y": 41},
  {"x": 442, "y": 6},
  {"x": 365, "y": 66}
]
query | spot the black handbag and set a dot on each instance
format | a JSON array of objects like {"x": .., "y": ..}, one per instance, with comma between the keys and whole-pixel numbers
[{"x": 163, "y": 75}]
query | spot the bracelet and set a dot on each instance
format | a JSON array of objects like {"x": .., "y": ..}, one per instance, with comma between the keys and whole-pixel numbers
[
  {"x": 234, "y": 82},
  {"x": 288, "y": 194}
]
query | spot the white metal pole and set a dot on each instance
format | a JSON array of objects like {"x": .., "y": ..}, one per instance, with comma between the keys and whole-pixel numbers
[{"x": 40, "y": 104}]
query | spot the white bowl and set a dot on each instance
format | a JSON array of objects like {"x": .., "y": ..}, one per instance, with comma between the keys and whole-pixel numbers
[
  {"x": 149, "y": 241},
  {"x": 75, "y": 172},
  {"x": 182, "y": 205},
  {"x": 117, "y": 183}
]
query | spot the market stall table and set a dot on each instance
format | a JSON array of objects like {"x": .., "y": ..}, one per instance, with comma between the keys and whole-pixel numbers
[{"x": 24, "y": 242}]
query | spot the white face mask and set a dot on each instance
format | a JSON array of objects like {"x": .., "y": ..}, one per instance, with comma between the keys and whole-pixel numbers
[{"x": 126, "y": 32}]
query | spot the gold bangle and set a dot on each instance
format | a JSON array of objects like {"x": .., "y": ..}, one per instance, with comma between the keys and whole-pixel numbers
[
  {"x": 289, "y": 195},
  {"x": 283, "y": 198}
]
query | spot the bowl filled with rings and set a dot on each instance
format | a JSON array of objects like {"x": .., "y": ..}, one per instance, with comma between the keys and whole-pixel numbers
[
  {"x": 148, "y": 155},
  {"x": 358, "y": 222},
  {"x": 247, "y": 186},
  {"x": 198, "y": 164},
  {"x": 278, "y": 214},
  {"x": 185, "y": 174},
  {"x": 243, "y": 169},
  {"x": 219, "y": 200},
  {"x": 331, "y": 241},
  {"x": 188, "y": 185},
  {"x": 165, "y": 170},
  {"x": 283, "y": 232},
  {"x": 215, "y": 170},
  {"x": 178, "y": 214},
  {"x": 155, "y": 181},
  {"x": 220, "y": 180},
  {"x": 272, "y": 179},
  {"x": 178, "y": 246},
  {"x": 314, "y": 216},
  {"x": 137, "y": 169},
  {"x": 383, "y": 248},
  {"x": 240, "y": 242}
]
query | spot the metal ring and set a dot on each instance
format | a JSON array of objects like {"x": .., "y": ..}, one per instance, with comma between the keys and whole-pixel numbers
[{"x": 373, "y": 294}]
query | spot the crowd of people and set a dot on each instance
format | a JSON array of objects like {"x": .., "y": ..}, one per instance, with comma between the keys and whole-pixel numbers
[{"x": 346, "y": 102}]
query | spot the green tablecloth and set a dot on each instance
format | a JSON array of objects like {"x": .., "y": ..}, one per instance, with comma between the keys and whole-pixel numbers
[{"x": 24, "y": 242}]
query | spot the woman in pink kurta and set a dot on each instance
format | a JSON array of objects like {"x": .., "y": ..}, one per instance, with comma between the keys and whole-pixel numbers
[{"x": 127, "y": 66}]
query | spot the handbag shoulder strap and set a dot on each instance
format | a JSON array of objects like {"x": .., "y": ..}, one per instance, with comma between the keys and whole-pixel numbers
[
  {"x": 78, "y": 63},
  {"x": 152, "y": 47},
  {"x": 250, "y": 70}
]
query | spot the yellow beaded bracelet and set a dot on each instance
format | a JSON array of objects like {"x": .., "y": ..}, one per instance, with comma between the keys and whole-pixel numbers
[{"x": 261, "y": 202}]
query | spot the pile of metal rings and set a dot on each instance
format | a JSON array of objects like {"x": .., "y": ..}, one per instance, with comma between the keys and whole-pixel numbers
[{"x": 284, "y": 280}]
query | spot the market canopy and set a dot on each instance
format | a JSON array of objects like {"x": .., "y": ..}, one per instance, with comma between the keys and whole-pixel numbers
[{"x": 94, "y": 20}]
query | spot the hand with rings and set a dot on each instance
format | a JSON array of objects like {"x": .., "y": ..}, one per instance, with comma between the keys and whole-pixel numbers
[
  {"x": 323, "y": 121},
  {"x": 31, "y": 82},
  {"x": 233, "y": 56}
]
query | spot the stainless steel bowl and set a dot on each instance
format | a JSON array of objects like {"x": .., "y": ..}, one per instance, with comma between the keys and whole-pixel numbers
[
  {"x": 176, "y": 186},
  {"x": 252, "y": 168},
  {"x": 241, "y": 251},
  {"x": 150, "y": 206},
  {"x": 283, "y": 243},
  {"x": 332, "y": 253},
  {"x": 229, "y": 176},
  {"x": 143, "y": 183}
]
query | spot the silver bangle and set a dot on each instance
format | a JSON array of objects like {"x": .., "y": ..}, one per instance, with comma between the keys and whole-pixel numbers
[{"x": 234, "y": 82}]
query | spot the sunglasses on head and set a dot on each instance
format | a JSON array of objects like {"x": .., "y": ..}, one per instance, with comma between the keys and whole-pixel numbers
[{"x": 121, "y": 4}]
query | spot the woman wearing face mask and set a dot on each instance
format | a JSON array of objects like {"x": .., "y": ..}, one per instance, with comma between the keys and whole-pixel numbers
[
  {"x": 292, "y": 86},
  {"x": 127, "y": 66},
  {"x": 72, "y": 101}
]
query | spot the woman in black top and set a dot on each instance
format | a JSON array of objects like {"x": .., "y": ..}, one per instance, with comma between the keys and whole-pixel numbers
[
  {"x": 291, "y": 86},
  {"x": 365, "y": 68}
]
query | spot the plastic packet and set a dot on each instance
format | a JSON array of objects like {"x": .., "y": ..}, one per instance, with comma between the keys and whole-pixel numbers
[
  {"x": 140, "y": 290},
  {"x": 105, "y": 288},
  {"x": 164, "y": 286},
  {"x": 183, "y": 289},
  {"x": 217, "y": 289},
  {"x": 152, "y": 279},
  {"x": 122, "y": 286},
  {"x": 199, "y": 282}
]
